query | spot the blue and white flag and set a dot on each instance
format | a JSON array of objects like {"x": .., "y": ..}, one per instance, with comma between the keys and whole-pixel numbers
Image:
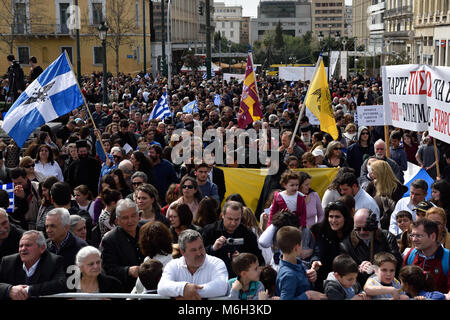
[
  {"x": 415, "y": 172},
  {"x": 9, "y": 187},
  {"x": 217, "y": 99},
  {"x": 191, "y": 107},
  {"x": 53, "y": 94},
  {"x": 213, "y": 74},
  {"x": 161, "y": 110}
]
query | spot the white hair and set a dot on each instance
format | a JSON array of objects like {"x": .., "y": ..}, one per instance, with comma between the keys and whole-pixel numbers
[
  {"x": 74, "y": 219},
  {"x": 63, "y": 213},
  {"x": 124, "y": 204},
  {"x": 40, "y": 239},
  {"x": 84, "y": 253},
  {"x": 379, "y": 141}
]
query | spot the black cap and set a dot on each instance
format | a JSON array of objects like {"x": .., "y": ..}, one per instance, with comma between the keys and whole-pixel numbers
[
  {"x": 423, "y": 206},
  {"x": 82, "y": 143}
]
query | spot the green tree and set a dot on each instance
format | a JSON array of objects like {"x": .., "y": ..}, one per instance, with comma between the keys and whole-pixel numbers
[{"x": 279, "y": 39}]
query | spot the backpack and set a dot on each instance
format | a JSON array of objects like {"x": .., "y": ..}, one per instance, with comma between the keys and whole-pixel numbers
[{"x": 444, "y": 261}]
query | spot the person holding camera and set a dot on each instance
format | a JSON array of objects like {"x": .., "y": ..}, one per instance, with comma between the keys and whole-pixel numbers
[
  {"x": 366, "y": 240},
  {"x": 228, "y": 237},
  {"x": 15, "y": 79}
]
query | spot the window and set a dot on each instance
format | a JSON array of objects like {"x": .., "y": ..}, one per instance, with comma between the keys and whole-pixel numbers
[
  {"x": 231, "y": 24},
  {"x": 98, "y": 55},
  {"x": 69, "y": 52},
  {"x": 97, "y": 13},
  {"x": 223, "y": 24},
  {"x": 23, "y": 54},
  {"x": 137, "y": 13},
  {"x": 231, "y": 34},
  {"x": 20, "y": 24},
  {"x": 63, "y": 15}
]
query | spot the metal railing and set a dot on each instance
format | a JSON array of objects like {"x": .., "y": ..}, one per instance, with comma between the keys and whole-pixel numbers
[{"x": 91, "y": 296}]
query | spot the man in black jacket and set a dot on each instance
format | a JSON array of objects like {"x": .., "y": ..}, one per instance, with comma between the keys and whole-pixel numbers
[
  {"x": 9, "y": 235},
  {"x": 15, "y": 78},
  {"x": 228, "y": 237},
  {"x": 366, "y": 240},
  {"x": 60, "y": 240},
  {"x": 121, "y": 254},
  {"x": 32, "y": 272}
]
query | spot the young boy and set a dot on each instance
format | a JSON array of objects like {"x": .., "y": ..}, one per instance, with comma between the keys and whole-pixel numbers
[
  {"x": 341, "y": 283},
  {"x": 246, "y": 286},
  {"x": 150, "y": 273},
  {"x": 293, "y": 281},
  {"x": 382, "y": 284},
  {"x": 398, "y": 154}
]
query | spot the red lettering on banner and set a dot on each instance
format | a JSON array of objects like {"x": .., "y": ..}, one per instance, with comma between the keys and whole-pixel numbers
[
  {"x": 429, "y": 86},
  {"x": 394, "y": 111},
  {"x": 441, "y": 121}
]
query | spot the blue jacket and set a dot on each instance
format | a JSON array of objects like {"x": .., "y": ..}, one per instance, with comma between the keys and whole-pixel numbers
[
  {"x": 292, "y": 282},
  {"x": 399, "y": 156},
  {"x": 209, "y": 189},
  {"x": 163, "y": 176}
]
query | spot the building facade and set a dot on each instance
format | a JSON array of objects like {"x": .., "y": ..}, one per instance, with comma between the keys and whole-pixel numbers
[
  {"x": 328, "y": 16},
  {"x": 294, "y": 16},
  {"x": 348, "y": 26},
  {"x": 360, "y": 20},
  {"x": 375, "y": 44},
  {"x": 228, "y": 21},
  {"x": 45, "y": 29}
]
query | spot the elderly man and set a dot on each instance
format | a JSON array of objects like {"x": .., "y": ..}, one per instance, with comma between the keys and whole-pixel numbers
[
  {"x": 127, "y": 169},
  {"x": 428, "y": 254},
  {"x": 285, "y": 150},
  {"x": 32, "y": 272},
  {"x": 60, "y": 240},
  {"x": 9, "y": 235},
  {"x": 98, "y": 116},
  {"x": 228, "y": 237},
  {"x": 196, "y": 274},
  {"x": 121, "y": 254},
  {"x": 380, "y": 154},
  {"x": 366, "y": 240},
  {"x": 418, "y": 192}
]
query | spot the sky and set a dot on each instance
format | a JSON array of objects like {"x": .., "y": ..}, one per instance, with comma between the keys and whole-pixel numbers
[{"x": 250, "y": 7}]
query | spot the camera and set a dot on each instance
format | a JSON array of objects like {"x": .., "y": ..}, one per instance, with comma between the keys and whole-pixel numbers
[{"x": 235, "y": 241}]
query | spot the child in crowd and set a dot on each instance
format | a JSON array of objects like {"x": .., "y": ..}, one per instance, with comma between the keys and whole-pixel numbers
[
  {"x": 341, "y": 283},
  {"x": 150, "y": 273},
  {"x": 419, "y": 284},
  {"x": 293, "y": 281},
  {"x": 268, "y": 277},
  {"x": 382, "y": 284},
  {"x": 290, "y": 198},
  {"x": 404, "y": 222},
  {"x": 246, "y": 286}
]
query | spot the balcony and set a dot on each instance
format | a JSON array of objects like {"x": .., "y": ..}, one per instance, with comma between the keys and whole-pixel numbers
[
  {"x": 398, "y": 34},
  {"x": 42, "y": 30},
  {"x": 399, "y": 12}
]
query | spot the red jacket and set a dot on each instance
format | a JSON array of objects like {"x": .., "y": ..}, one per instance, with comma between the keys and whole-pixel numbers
[
  {"x": 433, "y": 266},
  {"x": 278, "y": 204}
]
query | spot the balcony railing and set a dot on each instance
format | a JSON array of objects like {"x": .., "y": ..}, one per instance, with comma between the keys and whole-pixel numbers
[
  {"x": 400, "y": 11},
  {"x": 41, "y": 29}
]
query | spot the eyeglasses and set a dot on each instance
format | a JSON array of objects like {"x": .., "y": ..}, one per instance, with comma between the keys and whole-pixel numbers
[
  {"x": 187, "y": 186},
  {"x": 29, "y": 166},
  {"x": 414, "y": 235},
  {"x": 359, "y": 229}
]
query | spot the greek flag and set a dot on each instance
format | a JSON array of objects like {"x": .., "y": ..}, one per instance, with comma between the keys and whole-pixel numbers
[
  {"x": 9, "y": 187},
  {"x": 191, "y": 107},
  {"x": 161, "y": 110},
  {"x": 217, "y": 99},
  {"x": 213, "y": 74},
  {"x": 53, "y": 94}
]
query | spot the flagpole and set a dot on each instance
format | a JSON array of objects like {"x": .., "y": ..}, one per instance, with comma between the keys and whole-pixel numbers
[
  {"x": 437, "y": 158},
  {"x": 303, "y": 104},
  {"x": 85, "y": 104},
  {"x": 254, "y": 73}
]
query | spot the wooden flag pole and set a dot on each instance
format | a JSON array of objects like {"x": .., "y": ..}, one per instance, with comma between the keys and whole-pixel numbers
[
  {"x": 386, "y": 138},
  {"x": 438, "y": 171}
]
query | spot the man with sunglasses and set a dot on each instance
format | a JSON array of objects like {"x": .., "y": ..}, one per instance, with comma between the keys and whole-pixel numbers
[
  {"x": 366, "y": 240},
  {"x": 112, "y": 161}
]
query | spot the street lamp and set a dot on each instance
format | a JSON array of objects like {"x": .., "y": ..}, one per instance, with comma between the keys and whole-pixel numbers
[
  {"x": 229, "y": 60},
  {"x": 102, "y": 33},
  {"x": 344, "y": 42},
  {"x": 329, "y": 52}
]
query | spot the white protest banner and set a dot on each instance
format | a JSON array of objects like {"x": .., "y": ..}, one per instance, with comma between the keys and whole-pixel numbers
[
  {"x": 239, "y": 77},
  {"x": 405, "y": 91},
  {"x": 291, "y": 73},
  {"x": 370, "y": 115}
]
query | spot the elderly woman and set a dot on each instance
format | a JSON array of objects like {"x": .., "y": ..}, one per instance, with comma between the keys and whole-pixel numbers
[
  {"x": 92, "y": 280},
  {"x": 78, "y": 226}
]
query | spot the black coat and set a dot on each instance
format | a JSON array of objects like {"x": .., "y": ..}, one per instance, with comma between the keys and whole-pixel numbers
[
  {"x": 119, "y": 252},
  {"x": 69, "y": 250},
  {"x": 84, "y": 171},
  {"x": 215, "y": 230},
  {"x": 49, "y": 277},
  {"x": 11, "y": 244},
  {"x": 219, "y": 179}
]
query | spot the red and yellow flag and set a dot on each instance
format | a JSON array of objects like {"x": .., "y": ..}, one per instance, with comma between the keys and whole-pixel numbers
[{"x": 250, "y": 107}]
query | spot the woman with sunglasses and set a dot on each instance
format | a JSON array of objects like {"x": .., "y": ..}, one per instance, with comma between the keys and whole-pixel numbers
[
  {"x": 147, "y": 203},
  {"x": 334, "y": 157},
  {"x": 191, "y": 194},
  {"x": 334, "y": 228},
  {"x": 46, "y": 165},
  {"x": 28, "y": 164},
  {"x": 360, "y": 150}
]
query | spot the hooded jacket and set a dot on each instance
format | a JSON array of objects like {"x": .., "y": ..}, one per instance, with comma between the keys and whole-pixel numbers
[{"x": 355, "y": 153}]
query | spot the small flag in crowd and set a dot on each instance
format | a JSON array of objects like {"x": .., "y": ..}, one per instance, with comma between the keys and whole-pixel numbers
[
  {"x": 53, "y": 94},
  {"x": 9, "y": 187},
  {"x": 318, "y": 100},
  {"x": 161, "y": 110},
  {"x": 213, "y": 74},
  {"x": 250, "y": 108},
  {"x": 191, "y": 107},
  {"x": 217, "y": 99}
]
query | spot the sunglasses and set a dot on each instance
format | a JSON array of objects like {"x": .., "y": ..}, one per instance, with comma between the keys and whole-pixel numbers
[
  {"x": 338, "y": 148},
  {"x": 29, "y": 166},
  {"x": 359, "y": 229},
  {"x": 366, "y": 133},
  {"x": 188, "y": 186}
]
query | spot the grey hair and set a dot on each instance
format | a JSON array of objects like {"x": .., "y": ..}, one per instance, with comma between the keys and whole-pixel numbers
[
  {"x": 63, "y": 213},
  {"x": 234, "y": 205},
  {"x": 140, "y": 174},
  {"x": 124, "y": 204},
  {"x": 119, "y": 149},
  {"x": 380, "y": 141},
  {"x": 84, "y": 253},
  {"x": 40, "y": 240},
  {"x": 74, "y": 219},
  {"x": 126, "y": 166},
  {"x": 188, "y": 236},
  {"x": 3, "y": 211}
]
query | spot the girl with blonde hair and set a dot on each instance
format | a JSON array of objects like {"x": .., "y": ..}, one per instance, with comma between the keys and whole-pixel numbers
[{"x": 385, "y": 181}]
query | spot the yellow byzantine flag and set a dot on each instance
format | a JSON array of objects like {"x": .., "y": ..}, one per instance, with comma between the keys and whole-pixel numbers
[
  {"x": 318, "y": 101},
  {"x": 250, "y": 107}
]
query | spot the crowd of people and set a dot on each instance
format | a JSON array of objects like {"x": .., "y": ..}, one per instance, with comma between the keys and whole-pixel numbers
[{"x": 101, "y": 197}]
